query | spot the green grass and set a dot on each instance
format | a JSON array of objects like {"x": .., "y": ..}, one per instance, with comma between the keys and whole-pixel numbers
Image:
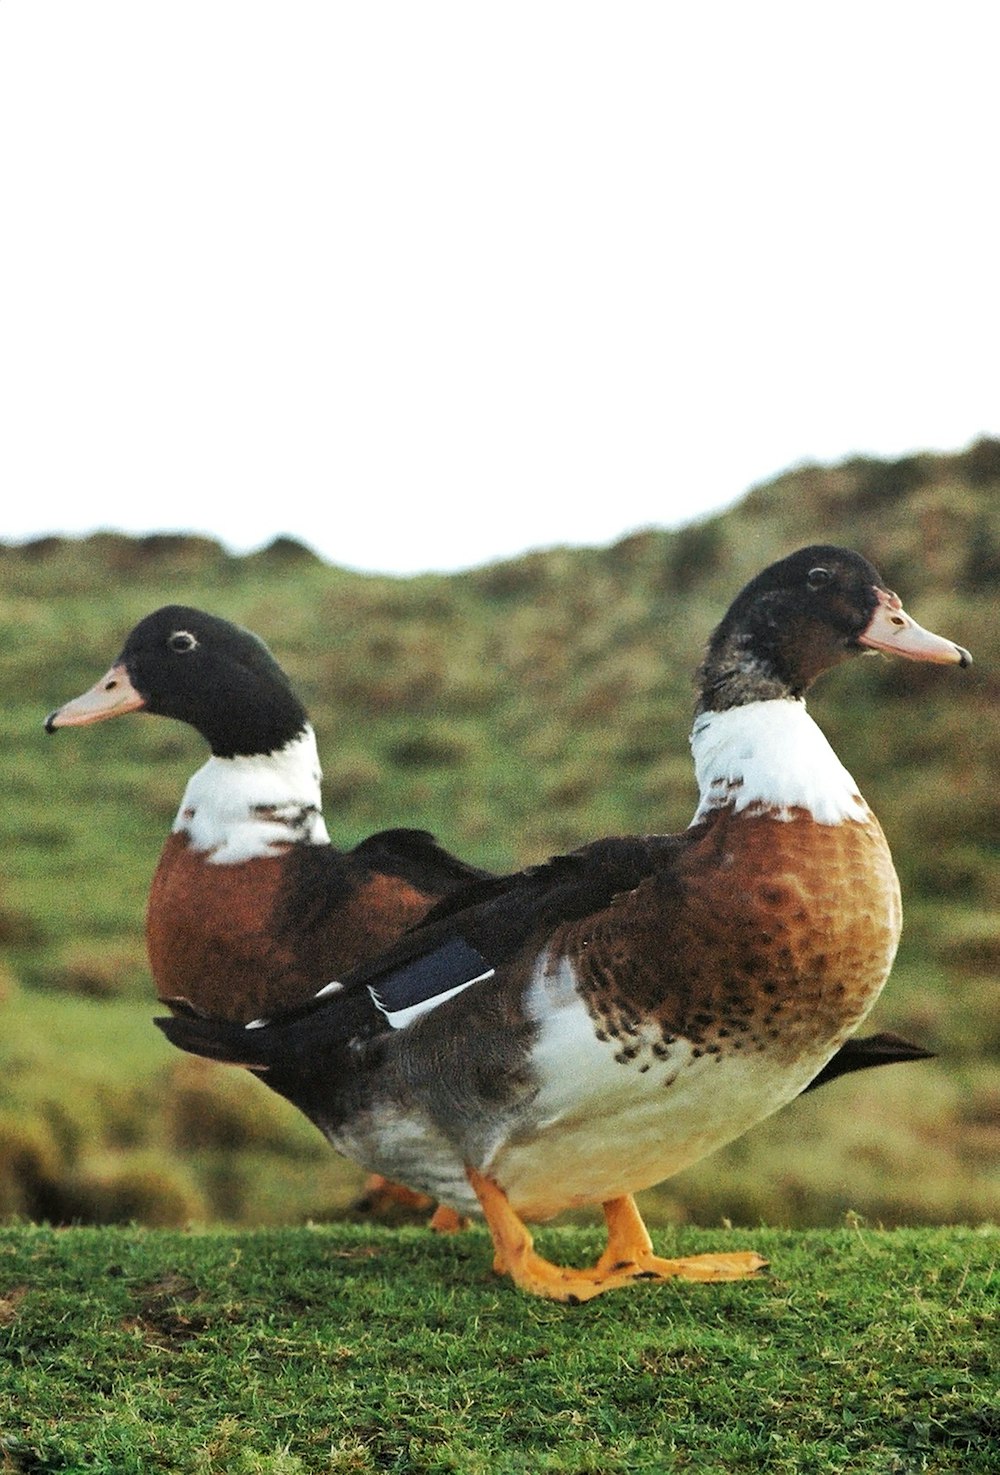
[{"x": 341, "y": 1350}]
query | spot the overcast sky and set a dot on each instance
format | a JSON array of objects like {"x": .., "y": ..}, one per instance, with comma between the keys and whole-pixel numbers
[{"x": 425, "y": 284}]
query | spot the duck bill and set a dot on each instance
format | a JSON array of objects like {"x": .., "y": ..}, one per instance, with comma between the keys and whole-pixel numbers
[
  {"x": 892, "y": 630},
  {"x": 112, "y": 696}
]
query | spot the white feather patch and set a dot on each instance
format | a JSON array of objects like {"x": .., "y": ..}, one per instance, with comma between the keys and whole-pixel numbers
[
  {"x": 236, "y": 809},
  {"x": 324, "y": 992},
  {"x": 771, "y": 755},
  {"x": 400, "y": 1018},
  {"x": 597, "y": 1128}
]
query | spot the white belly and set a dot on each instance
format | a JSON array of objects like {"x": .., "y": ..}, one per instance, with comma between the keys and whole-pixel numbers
[
  {"x": 600, "y": 1128},
  {"x": 407, "y": 1147}
]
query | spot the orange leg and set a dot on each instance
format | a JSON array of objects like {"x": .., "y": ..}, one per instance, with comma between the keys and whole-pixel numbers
[
  {"x": 384, "y": 1199},
  {"x": 630, "y": 1249},
  {"x": 445, "y": 1220},
  {"x": 628, "y": 1258}
]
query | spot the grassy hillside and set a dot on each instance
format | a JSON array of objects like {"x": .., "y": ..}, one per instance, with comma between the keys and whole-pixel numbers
[
  {"x": 342, "y": 1352},
  {"x": 514, "y": 710}
]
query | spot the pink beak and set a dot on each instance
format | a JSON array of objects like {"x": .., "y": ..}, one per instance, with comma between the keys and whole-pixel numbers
[
  {"x": 891, "y": 629},
  {"x": 112, "y": 696}
]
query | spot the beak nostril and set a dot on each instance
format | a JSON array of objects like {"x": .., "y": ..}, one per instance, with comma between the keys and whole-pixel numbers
[
  {"x": 110, "y": 685},
  {"x": 896, "y": 620}
]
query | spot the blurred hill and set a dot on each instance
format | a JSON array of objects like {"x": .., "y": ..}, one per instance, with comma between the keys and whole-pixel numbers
[{"x": 514, "y": 710}]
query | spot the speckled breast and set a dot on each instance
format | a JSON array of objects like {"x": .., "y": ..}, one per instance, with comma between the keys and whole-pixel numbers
[{"x": 774, "y": 935}]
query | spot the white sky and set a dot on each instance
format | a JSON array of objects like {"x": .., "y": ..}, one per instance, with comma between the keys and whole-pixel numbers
[{"x": 425, "y": 284}]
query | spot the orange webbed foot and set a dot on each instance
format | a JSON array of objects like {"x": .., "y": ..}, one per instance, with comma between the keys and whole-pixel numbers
[
  {"x": 628, "y": 1258},
  {"x": 629, "y": 1253},
  {"x": 384, "y": 1199}
]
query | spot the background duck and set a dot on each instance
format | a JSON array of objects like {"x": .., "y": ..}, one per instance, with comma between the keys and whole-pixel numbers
[
  {"x": 251, "y": 908},
  {"x": 583, "y": 1029}
]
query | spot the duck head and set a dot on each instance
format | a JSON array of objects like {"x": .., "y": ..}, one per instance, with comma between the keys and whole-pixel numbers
[
  {"x": 800, "y": 617},
  {"x": 200, "y": 669}
]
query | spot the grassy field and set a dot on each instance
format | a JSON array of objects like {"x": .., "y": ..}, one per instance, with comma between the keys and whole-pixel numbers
[{"x": 348, "y": 1352}]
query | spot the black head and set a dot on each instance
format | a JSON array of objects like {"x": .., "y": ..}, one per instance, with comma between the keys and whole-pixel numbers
[
  {"x": 800, "y": 617},
  {"x": 203, "y": 670}
]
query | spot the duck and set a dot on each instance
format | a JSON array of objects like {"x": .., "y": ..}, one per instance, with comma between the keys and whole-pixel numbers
[
  {"x": 583, "y": 1029},
  {"x": 251, "y": 907}
]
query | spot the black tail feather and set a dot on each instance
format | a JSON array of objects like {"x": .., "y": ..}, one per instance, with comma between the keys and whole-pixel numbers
[
  {"x": 864, "y": 1053},
  {"x": 219, "y": 1039},
  {"x": 294, "y": 1049}
]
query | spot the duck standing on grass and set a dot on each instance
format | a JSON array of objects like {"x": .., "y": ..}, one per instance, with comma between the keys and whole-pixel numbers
[
  {"x": 251, "y": 908},
  {"x": 586, "y": 1028}
]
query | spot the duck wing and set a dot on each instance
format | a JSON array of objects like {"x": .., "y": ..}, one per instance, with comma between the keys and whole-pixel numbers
[{"x": 477, "y": 929}]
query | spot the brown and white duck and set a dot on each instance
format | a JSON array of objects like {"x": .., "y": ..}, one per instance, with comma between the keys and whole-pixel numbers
[
  {"x": 586, "y": 1028},
  {"x": 251, "y": 908}
]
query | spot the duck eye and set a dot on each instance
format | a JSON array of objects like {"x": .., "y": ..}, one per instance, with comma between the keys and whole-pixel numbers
[
  {"x": 182, "y": 641},
  {"x": 817, "y": 577}
]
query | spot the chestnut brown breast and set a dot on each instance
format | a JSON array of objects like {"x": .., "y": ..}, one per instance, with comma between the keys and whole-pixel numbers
[{"x": 233, "y": 941}]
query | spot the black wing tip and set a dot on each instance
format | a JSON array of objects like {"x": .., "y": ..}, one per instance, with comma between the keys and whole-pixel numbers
[
  {"x": 890, "y": 1048},
  {"x": 866, "y": 1053},
  {"x": 178, "y": 1028}
]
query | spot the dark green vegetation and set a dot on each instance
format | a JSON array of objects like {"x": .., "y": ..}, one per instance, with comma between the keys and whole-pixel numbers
[
  {"x": 514, "y": 710},
  {"x": 287, "y": 1352}
]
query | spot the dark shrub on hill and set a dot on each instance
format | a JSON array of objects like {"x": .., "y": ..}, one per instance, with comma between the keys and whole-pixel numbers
[
  {"x": 882, "y": 483},
  {"x": 38, "y": 550},
  {"x": 31, "y": 1164},
  {"x": 697, "y": 550},
  {"x": 287, "y": 552},
  {"x": 143, "y": 1193},
  {"x": 981, "y": 462},
  {"x": 981, "y": 566},
  {"x": 430, "y": 748}
]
